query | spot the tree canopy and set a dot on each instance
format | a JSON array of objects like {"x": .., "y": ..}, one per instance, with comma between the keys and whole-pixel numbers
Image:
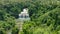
[{"x": 44, "y": 14}]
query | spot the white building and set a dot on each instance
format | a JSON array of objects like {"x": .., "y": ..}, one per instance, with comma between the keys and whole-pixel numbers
[{"x": 24, "y": 15}]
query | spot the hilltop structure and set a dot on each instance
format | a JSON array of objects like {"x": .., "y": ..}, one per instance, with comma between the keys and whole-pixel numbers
[{"x": 24, "y": 16}]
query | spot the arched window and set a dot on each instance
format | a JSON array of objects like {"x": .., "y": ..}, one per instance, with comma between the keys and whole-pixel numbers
[
  {"x": 21, "y": 16},
  {"x": 26, "y": 16}
]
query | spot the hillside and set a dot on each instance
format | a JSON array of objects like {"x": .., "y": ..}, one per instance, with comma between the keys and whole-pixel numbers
[{"x": 44, "y": 15}]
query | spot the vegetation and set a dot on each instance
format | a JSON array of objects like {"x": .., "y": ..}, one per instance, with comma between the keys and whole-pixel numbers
[{"x": 44, "y": 14}]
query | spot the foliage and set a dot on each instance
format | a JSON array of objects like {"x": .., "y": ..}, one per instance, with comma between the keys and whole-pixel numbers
[{"x": 44, "y": 14}]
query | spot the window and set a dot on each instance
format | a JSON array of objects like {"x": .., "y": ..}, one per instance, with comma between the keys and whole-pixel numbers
[
  {"x": 20, "y": 16},
  {"x": 26, "y": 16}
]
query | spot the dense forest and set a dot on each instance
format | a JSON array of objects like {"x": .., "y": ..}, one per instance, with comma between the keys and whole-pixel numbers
[{"x": 44, "y": 15}]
